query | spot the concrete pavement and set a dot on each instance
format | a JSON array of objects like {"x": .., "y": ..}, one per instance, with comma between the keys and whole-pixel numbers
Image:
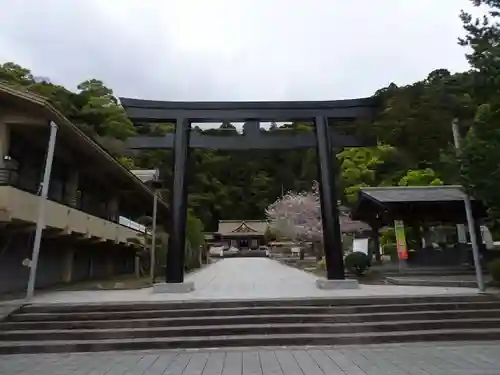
[{"x": 246, "y": 278}]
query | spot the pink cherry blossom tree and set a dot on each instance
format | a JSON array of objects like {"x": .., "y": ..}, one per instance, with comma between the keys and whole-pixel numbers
[{"x": 298, "y": 216}]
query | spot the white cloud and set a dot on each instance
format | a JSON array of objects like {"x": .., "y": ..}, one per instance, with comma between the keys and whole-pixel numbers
[{"x": 234, "y": 50}]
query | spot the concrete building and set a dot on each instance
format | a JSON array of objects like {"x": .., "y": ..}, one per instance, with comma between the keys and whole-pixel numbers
[{"x": 89, "y": 195}]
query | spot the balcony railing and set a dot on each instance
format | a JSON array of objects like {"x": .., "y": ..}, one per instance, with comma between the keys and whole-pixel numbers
[
  {"x": 11, "y": 177},
  {"x": 19, "y": 204}
]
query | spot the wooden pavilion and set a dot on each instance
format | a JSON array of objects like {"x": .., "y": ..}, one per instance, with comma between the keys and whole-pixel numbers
[{"x": 415, "y": 206}]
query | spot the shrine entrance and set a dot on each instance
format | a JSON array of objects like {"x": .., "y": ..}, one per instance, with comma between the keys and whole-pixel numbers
[
  {"x": 326, "y": 140},
  {"x": 243, "y": 244}
]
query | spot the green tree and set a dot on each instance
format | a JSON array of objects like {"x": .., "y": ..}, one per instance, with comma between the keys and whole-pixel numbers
[
  {"x": 194, "y": 242},
  {"x": 100, "y": 110},
  {"x": 420, "y": 177},
  {"x": 483, "y": 39},
  {"x": 363, "y": 167},
  {"x": 127, "y": 162},
  {"x": 15, "y": 74},
  {"x": 481, "y": 151},
  {"x": 481, "y": 159},
  {"x": 417, "y": 118}
]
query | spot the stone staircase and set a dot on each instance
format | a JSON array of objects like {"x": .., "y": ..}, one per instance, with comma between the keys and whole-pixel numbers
[{"x": 162, "y": 325}]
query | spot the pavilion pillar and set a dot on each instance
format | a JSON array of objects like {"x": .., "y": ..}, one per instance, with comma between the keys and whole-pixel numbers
[
  {"x": 376, "y": 243},
  {"x": 417, "y": 234},
  {"x": 178, "y": 206},
  {"x": 332, "y": 238}
]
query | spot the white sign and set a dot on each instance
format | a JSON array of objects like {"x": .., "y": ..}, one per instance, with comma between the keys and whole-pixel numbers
[{"x": 360, "y": 244}]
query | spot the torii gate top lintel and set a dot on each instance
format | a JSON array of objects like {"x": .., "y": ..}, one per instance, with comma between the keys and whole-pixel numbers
[
  {"x": 168, "y": 111},
  {"x": 251, "y": 113}
]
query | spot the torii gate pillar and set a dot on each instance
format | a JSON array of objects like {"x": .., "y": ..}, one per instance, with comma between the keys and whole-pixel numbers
[{"x": 324, "y": 140}]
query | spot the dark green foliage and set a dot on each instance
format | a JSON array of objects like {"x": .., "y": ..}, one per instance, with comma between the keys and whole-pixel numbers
[
  {"x": 390, "y": 249},
  {"x": 357, "y": 262},
  {"x": 494, "y": 268}
]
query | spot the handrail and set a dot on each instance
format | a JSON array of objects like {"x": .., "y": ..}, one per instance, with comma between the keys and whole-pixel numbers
[{"x": 10, "y": 177}]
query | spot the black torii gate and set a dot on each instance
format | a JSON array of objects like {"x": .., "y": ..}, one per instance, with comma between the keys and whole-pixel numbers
[{"x": 251, "y": 113}]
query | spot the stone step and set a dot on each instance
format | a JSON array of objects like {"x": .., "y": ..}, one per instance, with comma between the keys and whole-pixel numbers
[
  {"x": 251, "y": 329},
  {"x": 250, "y": 319},
  {"x": 416, "y": 281},
  {"x": 292, "y": 339},
  {"x": 235, "y": 311},
  {"x": 173, "y": 305}
]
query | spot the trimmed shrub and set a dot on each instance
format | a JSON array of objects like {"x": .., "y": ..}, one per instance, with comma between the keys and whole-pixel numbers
[
  {"x": 494, "y": 267},
  {"x": 357, "y": 262}
]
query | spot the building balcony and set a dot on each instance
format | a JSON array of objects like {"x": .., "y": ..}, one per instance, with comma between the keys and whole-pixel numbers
[{"x": 19, "y": 206}]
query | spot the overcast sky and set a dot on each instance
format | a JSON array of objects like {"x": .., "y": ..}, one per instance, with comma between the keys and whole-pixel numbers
[{"x": 234, "y": 49}]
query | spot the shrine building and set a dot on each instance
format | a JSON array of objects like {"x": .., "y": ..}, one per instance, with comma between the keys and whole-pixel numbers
[{"x": 242, "y": 234}]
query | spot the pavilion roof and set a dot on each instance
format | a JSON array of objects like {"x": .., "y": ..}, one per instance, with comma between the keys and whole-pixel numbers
[
  {"x": 442, "y": 203},
  {"x": 348, "y": 225}
]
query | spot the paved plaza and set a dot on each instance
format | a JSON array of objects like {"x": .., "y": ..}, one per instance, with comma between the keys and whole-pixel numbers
[
  {"x": 409, "y": 359},
  {"x": 246, "y": 278}
]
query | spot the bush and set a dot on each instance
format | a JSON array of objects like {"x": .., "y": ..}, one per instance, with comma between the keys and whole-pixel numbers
[
  {"x": 390, "y": 249},
  {"x": 321, "y": 265},
  {"x": 494, "y": 267},
  {"x": 387, "y": 236},
  {"x": 357, "y": 262}
]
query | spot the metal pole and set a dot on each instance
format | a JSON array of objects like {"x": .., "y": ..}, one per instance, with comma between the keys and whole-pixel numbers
[
  {"x": 40, "y": 223},
  {"x": 153, "y": 236},
  {"x": 470, "y": 217}
]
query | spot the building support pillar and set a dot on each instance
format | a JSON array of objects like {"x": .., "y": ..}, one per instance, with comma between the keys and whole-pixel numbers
[
  {"x": 332, "y": 238},
  {"x": 4, "y": 143},
  {"x": 110, "y": 262},
  {"x": 4, "y": 152},
  {"x": 177, "y": 238},
  {"x": 137, "y": 266},
  {"x": 68, "y": 259},
  {"x": 113, "y": 209}
]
